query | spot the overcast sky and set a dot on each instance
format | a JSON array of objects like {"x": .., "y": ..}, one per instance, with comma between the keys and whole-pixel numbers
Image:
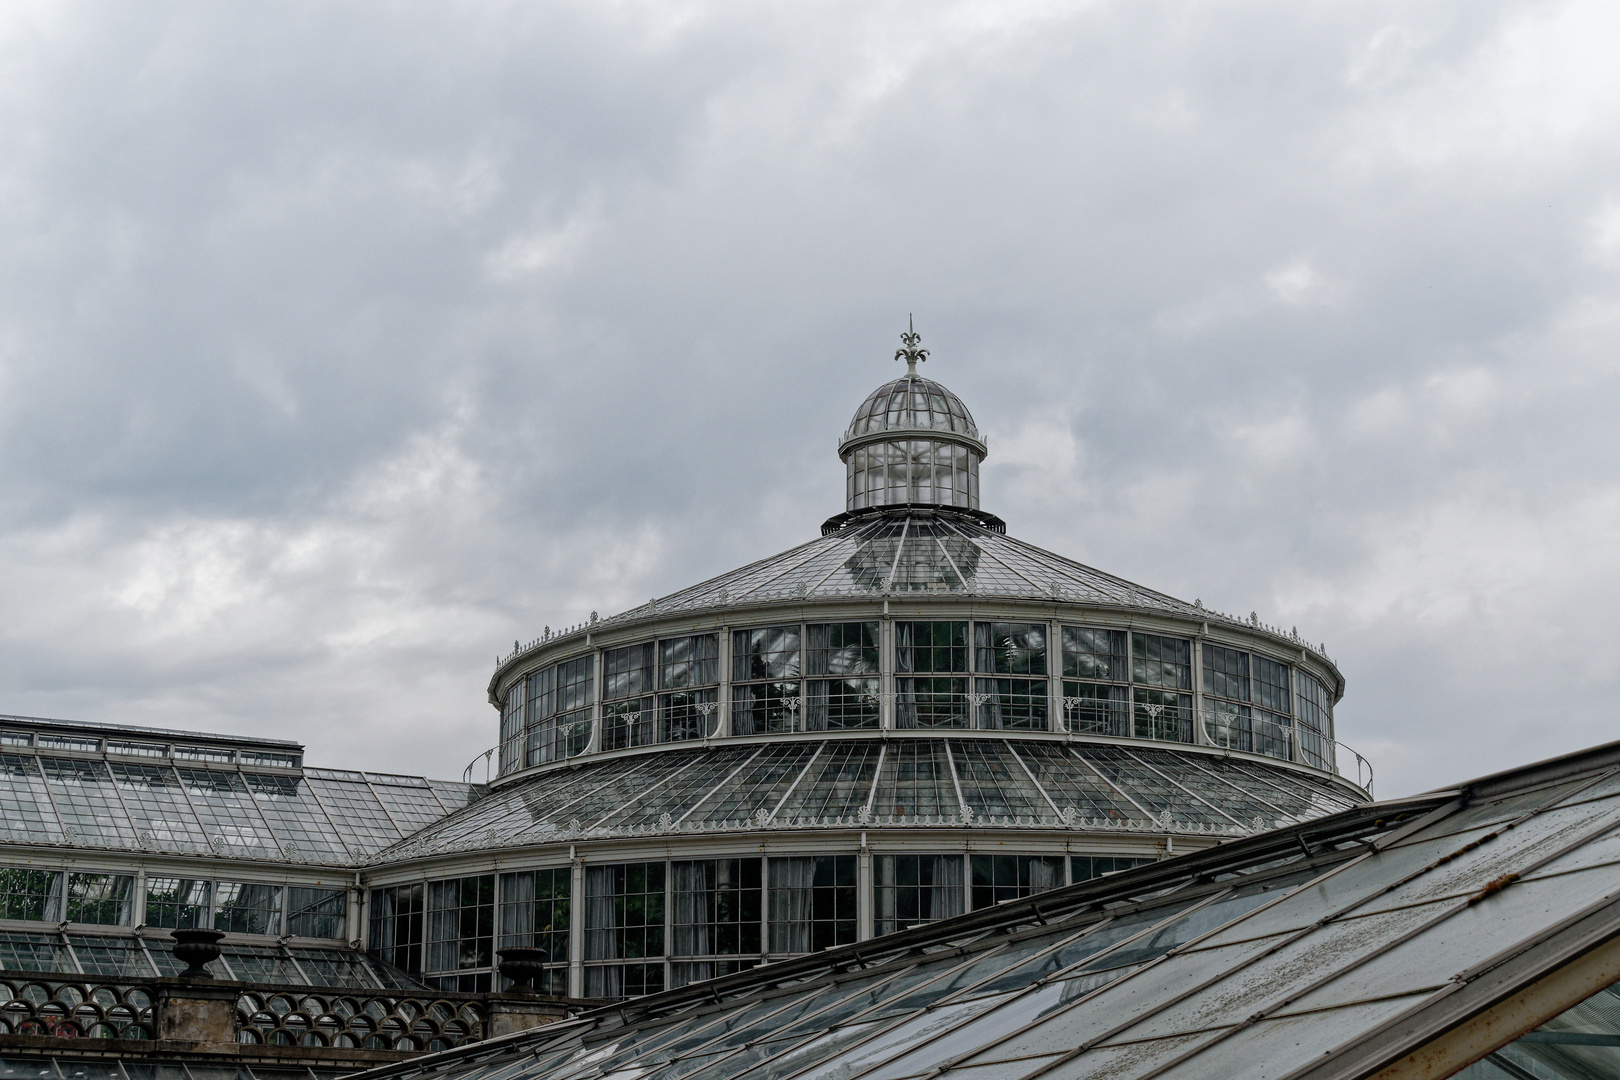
[{"x": 341, "y": 345}]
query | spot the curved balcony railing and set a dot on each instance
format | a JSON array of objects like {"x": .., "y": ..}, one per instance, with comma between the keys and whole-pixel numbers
[
  {"x": 1127, "y": 719},
  {"x": 1364, "y": 769},
  {"x": 1251, "y": 734}
]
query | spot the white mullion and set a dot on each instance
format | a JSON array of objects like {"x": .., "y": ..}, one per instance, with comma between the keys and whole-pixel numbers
[{"x": 950, "y": 761}]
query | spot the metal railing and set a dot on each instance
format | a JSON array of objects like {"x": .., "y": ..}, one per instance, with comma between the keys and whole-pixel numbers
[
  {"x": 76, "y": 1008},
  {"x": 361, "y": 1020},
  {"x": 1250, "y": 734},
  {"x": 72, "y": 1007},
  {"x": 1363, "y": 768},
  {"x": 1128, "y": 720}
]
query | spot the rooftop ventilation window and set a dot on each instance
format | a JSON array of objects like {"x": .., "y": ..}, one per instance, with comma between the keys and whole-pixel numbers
[
  {"x": 203, "y": 753},
  {"x": 137, "y": 749},
  {"x": 68, "y": 742},
  {"x": 274, "y": 761}
]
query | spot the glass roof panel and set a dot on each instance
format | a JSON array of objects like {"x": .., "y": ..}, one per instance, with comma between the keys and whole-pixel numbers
[
  {"x": 228, "y": 813},
  {"x": 294, "y": 815},
  {"x": 836, "y": 788},
  {"x": 87, "y": 803},
  {"x": 355, "y": 809},
  {"x": 1156, "y": 794},
  {"x": 918, "y": 553},
  {"x": 37, "y": 951},
  {"x": 687, "y": 790},
  {"x": 995, "y": 787},
  {"x": 916, "y": 785},
  {"x": 162, "y": 814},
  {"x": 110, "y": 957},
  {"x": 25, "y": 807},
  {"x": 759, "y": 787},
  {"x": 1071, "y": 783},
  {"x": 1219, "y": 780},
  {"x": 1226, "y": 800},
  {"x": 409, "y": 801}
]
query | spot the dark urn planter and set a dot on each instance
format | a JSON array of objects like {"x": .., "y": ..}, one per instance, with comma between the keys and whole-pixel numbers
[
  {"x": 197, "y": 947},
  {"x": 523, "y": 964}
]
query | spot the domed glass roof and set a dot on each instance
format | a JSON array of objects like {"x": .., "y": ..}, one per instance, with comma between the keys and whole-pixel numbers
[
  {"x": 906, "y": 782},
  {"x": 912, "y": 402}
]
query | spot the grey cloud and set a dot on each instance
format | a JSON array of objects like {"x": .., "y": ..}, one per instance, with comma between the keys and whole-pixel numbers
[{"x": 339, "y": 346}]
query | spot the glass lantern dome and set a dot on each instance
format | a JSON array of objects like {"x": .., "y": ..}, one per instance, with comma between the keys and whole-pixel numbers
[{"x": 912, "y": 443}]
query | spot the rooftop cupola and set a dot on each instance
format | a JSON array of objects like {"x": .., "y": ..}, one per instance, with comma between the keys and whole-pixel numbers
[{"x": 912, "y": 442}]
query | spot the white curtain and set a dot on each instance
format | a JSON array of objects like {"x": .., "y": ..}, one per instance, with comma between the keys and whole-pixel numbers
[
  {"x": 443, "y": 924},
  {"x": 517, "y": 909},
  {"x": 601, "y": 925},
  {"x": 692, "y": 891},
  {"x": 792, "y": 899},
  {"x": 947, "y": 891},
  {"x": 1045, "y": 874}
]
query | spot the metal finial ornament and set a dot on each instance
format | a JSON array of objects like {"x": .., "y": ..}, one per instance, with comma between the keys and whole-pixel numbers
[{"x": 911, "y": 350}]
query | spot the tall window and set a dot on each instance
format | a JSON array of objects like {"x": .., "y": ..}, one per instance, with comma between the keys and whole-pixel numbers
[
  {"x": 766, "y": 692},
  {"x": 912, "y": 471},
  {"x": 624, "y": 920},
  {"x": 512, "y": 728},
  {"x": 688, "y": 675},
  {"x": 560, "y": 700},
  {"x": 842, "y": 665},
  {"x": 714, "y": 912},
  {"x": 102, "y": 899},
  {"x": 1273, "y": 701},
  {"x": 1315, "y": 721},
  {"x": 1096, "y": 681},
  {"x": 461, "y": 931},
  {"x": 1010, "y": 649},
  {"x": 317, "y": 913},
  {"x": 1161, "y": 668},
  {"x": 34, "y": 895},
  {"x": 913, "y": 889},
  {"x": 627, "y": 697},
  {"x": 176, "y": 903},
  {"x": 535, "y": 911},
  {"x": 395, "y": 925},
  {"x": 1227, "y": 716},
  {"x": 931, "y": 674},
  {"x": 812, "y": 903},
  {"x": 1009, "y": 877},
  {"x": 242, "y": 907}
]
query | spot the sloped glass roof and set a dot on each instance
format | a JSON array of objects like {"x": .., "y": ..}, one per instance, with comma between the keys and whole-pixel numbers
[
  {"x": 321, "y": 816},
  {"x": 900, "y": 782},
  {"x": 115, "y": 955},
  {"x": 916, "y": 553},
  {"x": 1331, "y": 948}
]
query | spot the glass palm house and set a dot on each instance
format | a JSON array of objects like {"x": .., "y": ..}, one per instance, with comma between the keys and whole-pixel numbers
[{"x": 910, "y": 716}]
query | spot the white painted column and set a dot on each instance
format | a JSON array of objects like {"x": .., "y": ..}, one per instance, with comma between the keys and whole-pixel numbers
[
  {"x": 1054, "y": 676},
  {"x": 723, "y": 695},
  {"x": 1200, "y": 736},
  {"x": 864, "y": 896},
  {"x": 576, "y": 925}
]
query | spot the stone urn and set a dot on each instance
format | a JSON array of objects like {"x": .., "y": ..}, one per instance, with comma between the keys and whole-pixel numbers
[
  {"x": 196, "y": 947},
  {"x": 523, "y": 964}
]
